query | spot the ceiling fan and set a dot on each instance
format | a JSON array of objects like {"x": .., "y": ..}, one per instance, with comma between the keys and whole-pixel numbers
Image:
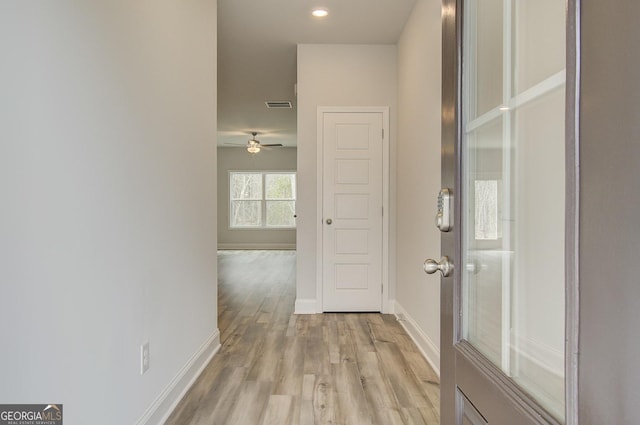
[{"x": 254, "y": 146}]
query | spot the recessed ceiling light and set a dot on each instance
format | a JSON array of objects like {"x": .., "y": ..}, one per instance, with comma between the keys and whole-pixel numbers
[{"x": 320, "y": 12}]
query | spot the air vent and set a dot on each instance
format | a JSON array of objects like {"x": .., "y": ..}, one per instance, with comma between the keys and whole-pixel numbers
[{"x": 278, "y": 104}]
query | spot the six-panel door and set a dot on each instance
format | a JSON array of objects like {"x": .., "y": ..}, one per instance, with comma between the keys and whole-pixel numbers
[{"x": 352, "y": 211}]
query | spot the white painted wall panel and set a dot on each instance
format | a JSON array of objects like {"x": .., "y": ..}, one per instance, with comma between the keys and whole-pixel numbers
[
  {"x": 419, "y": 99},
  {"x": 108, "y": 223},
  {"x": 335, "y": 75},
  {"x": 238, "y": 159}
]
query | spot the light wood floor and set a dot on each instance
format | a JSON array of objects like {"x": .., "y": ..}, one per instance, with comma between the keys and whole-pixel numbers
[{"x": 277, "y": 368}]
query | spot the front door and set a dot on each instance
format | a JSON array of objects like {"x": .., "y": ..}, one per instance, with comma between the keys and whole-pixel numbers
[
  {"x": 503, "y": 322},
  {"x": 352, "y": 215}
]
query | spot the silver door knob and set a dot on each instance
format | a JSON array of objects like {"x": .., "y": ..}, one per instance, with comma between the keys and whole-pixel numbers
[
  {"x": 444, "y": 265},
  {"x": 329, "y": 221}
]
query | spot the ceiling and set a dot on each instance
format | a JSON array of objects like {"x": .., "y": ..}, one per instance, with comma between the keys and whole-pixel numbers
[{"x": 257, "y": 55}]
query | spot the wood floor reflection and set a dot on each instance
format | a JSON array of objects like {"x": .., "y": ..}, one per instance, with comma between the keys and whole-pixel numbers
[{"x": 278, "y": 368}]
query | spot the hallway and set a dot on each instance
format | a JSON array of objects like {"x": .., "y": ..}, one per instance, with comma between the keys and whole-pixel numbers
[{"x": 278, "y": 368}]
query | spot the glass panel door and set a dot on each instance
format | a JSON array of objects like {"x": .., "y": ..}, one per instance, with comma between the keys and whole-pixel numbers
[{"x": 513, "y": 191}]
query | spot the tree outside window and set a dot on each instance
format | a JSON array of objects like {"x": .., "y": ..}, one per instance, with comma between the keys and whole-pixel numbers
[{"x": 262, "y": 199}]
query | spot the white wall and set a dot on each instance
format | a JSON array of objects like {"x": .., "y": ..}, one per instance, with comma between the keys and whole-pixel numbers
[
  {"x": 418, "y": 144},
  {"x": 333, "y": 75},
  {"x": 234, "y": 159},
  {"x": 108, "y": 218}
]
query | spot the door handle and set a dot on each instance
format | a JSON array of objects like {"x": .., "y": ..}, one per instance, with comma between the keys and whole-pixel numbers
[
  {"x": 329, "y": 221},
  {"x": 444, "y": 265}
]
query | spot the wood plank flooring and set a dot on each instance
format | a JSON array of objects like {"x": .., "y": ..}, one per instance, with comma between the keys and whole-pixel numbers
[{"x": 277, "y": 368}]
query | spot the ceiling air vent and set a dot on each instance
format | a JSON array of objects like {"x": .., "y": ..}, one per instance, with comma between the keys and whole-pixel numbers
[{"x": 278, "y": 104}]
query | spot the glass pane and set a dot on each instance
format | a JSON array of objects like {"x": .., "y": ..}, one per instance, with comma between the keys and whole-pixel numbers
[
  {"x": 246, "y": 213},
  {"x": 485, "y": 255},
  {"x": 513, "y": 194},
  {"x": 280, "y": 213},
  {"x": 537, "y": 362},
  {"x": 280, "y": 186},
  {"x": 539, "y": 47},
  {"x": 484, "y": 58},
  {"x": 246, "y": 186}
]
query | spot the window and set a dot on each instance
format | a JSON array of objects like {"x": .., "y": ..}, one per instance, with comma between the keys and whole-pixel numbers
[
  {"x": 262, "y": 200},
  {"x": 486, "y": 209}
]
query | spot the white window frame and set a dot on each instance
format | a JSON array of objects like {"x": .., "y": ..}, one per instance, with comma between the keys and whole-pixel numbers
[{"x": 263, "y": 201}]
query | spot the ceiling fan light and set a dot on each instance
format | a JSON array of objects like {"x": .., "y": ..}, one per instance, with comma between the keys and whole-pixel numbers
[{"x": 253, "y": 148}]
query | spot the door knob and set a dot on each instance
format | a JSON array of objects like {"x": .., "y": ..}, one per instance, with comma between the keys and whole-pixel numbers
[
  {"x": 444, "y": 265},
  {"x": 329, "y": 221}
]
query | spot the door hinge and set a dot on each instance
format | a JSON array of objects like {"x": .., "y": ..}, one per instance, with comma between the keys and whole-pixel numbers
[
  {"x": 383, "y": 211},
  {"x": 382, "y": 288},
  {"x": 383, "y": 134}
]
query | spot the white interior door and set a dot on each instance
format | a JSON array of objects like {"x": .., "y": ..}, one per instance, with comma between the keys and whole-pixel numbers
[{"x": 352, "y": 210}]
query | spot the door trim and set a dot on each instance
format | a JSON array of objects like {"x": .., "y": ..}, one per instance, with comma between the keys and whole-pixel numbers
[
  {"x": 486, "y": 374},
  {"x": 450, "y": 162},
  {"x": 572, "y": 213},
  {"x": 384, "y": 110}
]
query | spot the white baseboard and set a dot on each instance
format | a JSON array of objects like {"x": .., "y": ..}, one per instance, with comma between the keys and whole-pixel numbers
[
  {"x": 167, "y": 401},
  {"x": 429, "y": 350},
  {"x": 305, "y": 306},
  {"x": 257, "y": 246}
]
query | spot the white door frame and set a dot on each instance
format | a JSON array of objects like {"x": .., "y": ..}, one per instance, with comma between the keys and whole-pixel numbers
[{"x": 384, "y": 110}]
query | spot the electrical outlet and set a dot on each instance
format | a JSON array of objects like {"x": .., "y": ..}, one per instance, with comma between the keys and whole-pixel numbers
[{"x": 144, "y": 358}]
